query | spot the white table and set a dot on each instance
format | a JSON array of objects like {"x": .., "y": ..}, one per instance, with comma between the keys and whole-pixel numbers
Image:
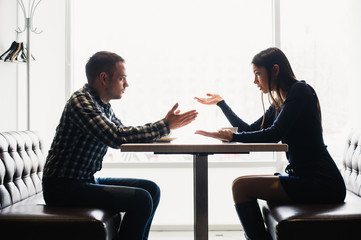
[{"x": 200, "y": 152}]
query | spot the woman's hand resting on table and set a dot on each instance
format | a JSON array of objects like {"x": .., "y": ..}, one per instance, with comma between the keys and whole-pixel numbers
[
  {"x": 212, "y": 99},
  {"x": 223, "y": 135}
]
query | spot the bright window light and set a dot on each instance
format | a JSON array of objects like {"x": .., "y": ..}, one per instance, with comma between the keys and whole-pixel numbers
[{"x": 174, "y": 51}]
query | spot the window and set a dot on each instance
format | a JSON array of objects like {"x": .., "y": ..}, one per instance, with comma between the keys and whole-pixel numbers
[
  {"x": 322, "y": 40},
  {"x": 174, "y": 51}
]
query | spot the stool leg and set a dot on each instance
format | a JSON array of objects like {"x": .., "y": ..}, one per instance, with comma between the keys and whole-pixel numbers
[{"x": 251, "y": 219}]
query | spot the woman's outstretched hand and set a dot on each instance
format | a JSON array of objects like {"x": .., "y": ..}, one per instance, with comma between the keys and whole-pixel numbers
[
  {"x": 223, "y": 135},
  {"x": 212, "y": 99},
  {"x": 176, "y": 119}
]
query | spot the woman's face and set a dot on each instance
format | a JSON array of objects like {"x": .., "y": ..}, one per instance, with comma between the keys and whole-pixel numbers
[{"x": 261, "y": 78}]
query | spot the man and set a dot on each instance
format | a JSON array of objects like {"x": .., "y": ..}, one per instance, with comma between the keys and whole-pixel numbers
[{"x": 87, "y": 128}]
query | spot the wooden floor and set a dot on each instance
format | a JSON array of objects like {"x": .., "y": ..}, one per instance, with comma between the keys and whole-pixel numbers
[{"x": 188, "y": 235}]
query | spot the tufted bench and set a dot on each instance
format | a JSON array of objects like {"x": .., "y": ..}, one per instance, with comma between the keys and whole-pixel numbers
[
  {"x": 23, "y": 213},
  {"x": 323, "y": 221}
]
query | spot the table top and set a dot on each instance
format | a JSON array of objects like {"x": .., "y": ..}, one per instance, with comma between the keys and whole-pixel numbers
[{"x": 209, "y": 148}]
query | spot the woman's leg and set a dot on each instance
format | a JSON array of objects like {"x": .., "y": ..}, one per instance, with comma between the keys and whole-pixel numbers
[
  {"x": 266, "y": 187},
  {"x": 246, "y": 190}
]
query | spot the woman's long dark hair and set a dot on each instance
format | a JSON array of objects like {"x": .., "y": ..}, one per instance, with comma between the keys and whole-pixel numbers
[{"x": 284, "y": 80}]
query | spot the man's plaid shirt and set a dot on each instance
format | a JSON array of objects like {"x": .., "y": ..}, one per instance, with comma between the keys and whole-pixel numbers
[{"x": 87, "y": 127}]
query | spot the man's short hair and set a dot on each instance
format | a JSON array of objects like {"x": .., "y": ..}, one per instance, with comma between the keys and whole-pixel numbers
[{"x": 101, "y": 62}]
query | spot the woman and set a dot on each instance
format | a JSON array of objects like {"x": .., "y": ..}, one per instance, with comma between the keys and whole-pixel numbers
[{"x": 294, "y": 118}]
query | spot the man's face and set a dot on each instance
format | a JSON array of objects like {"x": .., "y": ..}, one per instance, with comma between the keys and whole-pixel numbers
[{"x": 116, "y": 85}]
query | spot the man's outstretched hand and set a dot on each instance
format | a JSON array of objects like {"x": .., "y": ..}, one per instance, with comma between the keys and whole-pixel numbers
[{"x": 176, "y": 119}]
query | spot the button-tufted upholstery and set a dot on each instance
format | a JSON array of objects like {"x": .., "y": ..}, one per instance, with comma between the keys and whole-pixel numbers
[
  {"x": 21, "y": 167},
  {"x": 351, "y": 163},
  {"x": 323, "y": 221},
  {"x": 23, "y": 213}
]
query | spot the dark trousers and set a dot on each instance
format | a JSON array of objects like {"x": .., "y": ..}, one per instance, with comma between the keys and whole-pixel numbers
[{"x": 138, "y": 198}]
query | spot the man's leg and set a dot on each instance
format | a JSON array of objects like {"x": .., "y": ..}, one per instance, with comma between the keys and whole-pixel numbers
[
  {"x": 118, "y": 195},
  {"x": 149, "y": 186}
]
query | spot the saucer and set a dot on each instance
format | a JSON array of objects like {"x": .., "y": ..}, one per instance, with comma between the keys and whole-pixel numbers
[{"x": 166, "y": 139}]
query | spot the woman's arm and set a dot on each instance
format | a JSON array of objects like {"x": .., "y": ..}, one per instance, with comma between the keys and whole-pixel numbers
[
  {"x": 242, "y": 125},
  {"x": 298, "y": 100}
]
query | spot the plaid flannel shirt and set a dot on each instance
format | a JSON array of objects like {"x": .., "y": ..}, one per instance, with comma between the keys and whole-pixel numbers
[{"x": 87, "y": 128}]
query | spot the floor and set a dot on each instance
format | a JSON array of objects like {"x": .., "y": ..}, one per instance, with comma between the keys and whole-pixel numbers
[{"x": 188, "y": 235}]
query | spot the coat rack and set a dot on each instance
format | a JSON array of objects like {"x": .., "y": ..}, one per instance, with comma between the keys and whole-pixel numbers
[{"x": 28, "y": 27}]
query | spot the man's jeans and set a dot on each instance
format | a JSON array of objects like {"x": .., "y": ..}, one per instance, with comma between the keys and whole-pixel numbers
[{"x": 138, "y": 198}]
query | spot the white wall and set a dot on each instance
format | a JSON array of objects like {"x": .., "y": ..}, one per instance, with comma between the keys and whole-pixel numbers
[
  {"x": 47, "y": 75},
  {"x": 48, "y": 72},
  {"x": 8, "y": 83}
]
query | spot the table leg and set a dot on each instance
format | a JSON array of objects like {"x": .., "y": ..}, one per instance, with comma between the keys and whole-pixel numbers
[{"x": 200, "y": 178}]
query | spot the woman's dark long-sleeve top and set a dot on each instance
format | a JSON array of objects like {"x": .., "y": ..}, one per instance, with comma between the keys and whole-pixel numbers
[{"x": 298, "y": 125}]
